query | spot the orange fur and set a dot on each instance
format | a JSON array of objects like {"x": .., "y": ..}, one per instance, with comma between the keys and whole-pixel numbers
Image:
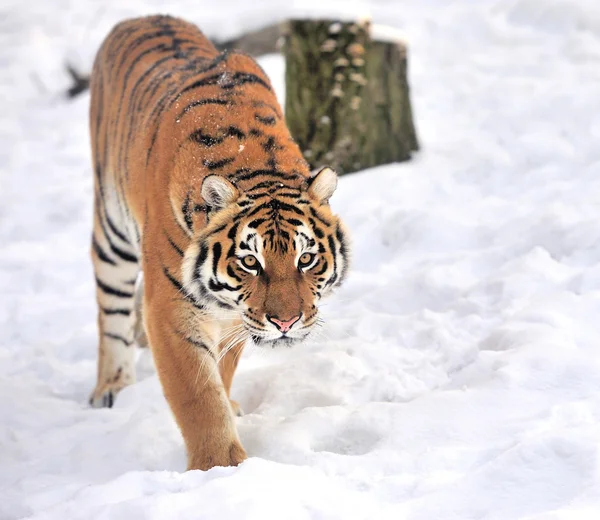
[{"x": 194, "y": 169}]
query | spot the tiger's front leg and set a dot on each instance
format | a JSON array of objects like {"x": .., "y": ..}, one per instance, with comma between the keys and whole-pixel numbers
[
  {"x": 186, "y": 362},
  {"x": 230, "y": 351}
]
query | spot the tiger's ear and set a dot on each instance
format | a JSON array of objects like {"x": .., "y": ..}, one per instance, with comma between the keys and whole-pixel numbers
[
  {"x": 218, "y": 192},
  {"x": 322, "y": 185}
]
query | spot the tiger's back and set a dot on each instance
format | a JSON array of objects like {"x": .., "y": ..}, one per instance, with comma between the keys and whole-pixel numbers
[
  {"x": 196, "y": 173},
  {"x": 158, "y": 81}
]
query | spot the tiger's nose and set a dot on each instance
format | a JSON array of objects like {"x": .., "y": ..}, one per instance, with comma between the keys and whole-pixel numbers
[{"x": 283, "y": 325}]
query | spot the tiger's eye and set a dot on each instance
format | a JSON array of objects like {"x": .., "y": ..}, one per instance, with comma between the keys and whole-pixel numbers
[
  {"x": 306, "y": 259},
  {"x": 250, "y": 262}
]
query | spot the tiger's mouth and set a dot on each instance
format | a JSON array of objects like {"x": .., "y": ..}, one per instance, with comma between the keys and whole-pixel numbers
[
  {"x": 282, "y": 341},
  {"x": 272, "y": 332},
  {"x": 270, "y": 336}
]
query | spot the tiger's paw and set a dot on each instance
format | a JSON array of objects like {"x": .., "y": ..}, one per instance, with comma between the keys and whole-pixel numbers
[
  {"x": 230, "y": 455},
  {"x": 104, "y": 396},
  {"x": 237, "y": 409}
]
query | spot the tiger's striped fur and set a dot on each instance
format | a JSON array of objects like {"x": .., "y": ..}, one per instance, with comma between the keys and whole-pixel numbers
[{"x": 199, "y": 184}]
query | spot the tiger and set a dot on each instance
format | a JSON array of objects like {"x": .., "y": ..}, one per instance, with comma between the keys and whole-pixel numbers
[{"x": 204, "y": 202}]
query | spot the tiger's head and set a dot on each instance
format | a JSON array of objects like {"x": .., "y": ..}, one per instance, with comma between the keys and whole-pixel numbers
[{"x": 271, "y": 253}]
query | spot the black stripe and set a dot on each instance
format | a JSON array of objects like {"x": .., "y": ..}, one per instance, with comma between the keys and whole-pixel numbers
[
  {"x": 270, "y": 145},
  {"x": 217, "y": 286},
  {"x": 100, "y": 252},
  {"x": 166, "y": 100},
  {"x": 174, "y": 245},
  {"x": 269, "y": 120},
  {"x": 123, "y": 255},
  {"x": 341, "y": 239},
  {"x": 145, "y": 96},
  {"x": 135, "y": 103},
  {"x": 216, "y": 250},
  {"x": 278, "y": 205},
  {"x": 217, "y": 230},
  {"x": 247, "y": 175},
  {"x": 271, "y": 163},
  {"x": 202, "y": 102},
  {"x": 200, "y": 137},
  {"x": 154, "y": 83},
  {"x": 204, "y": 82},
  {"x": 294, "y": 222},
  {"x": 256, "y": 196},
  {"x": 318, "y": 217},
  {"x": 110, "y": 312},
  {"x": 114, "y": 229},
  {"x": 215, "y": 165},
  {"x": 254, "y": 320},
  {"x": 118, "y": 39},
  {"x": 264, "y": 184},
  {"x": 232, "y": 274},
  {"x": 318, "y": 232},
  {"x": 233, "y": 231},
  {"x": 111, "y": 290},
  {"x": 202, "y": 255},
  {"x": 176, "y": 283},
  {"x": 190, "y": 67},
  {"x": 214, "y": 63},
  {"x": 158, "y": 107},
  {"x": 98, "y": 171},
  {"x": 208, "y": 140},
  {"x": 262, "y": 104},
  {"x": 193, "y": 342},
  {"x": 292, "y": 196},
  {"x": 117, "y": 251},
  {"x": 181, "y": 226},
  {"x": 227, "y": 81},
  {"x": 256, "y": 222},
  {"x": 161, "y": 47},
  {"x": 118, "y": 338},
  {"x": 132, "y": 97},
  {"x": 234, "y": 131},
  {"x": 343, "y": 250},
  {"x": 132, "y": 45},
  {"x": 241, "y": 78},
  {"x": 240, "y": 171},
  {"x": 142, "y": 98},
  {"x": 185, "y": 209},
  {"x": 257, "y": 209},
  {"x": 333, "y": 277},
  {"x": 323, "y": 269}
]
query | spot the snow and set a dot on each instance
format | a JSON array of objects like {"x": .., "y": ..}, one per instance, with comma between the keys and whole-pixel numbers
[{"x": 458, "y": 377}]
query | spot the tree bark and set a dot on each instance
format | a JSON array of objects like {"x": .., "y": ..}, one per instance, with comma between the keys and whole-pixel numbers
[{"x": 347, "y": 96}]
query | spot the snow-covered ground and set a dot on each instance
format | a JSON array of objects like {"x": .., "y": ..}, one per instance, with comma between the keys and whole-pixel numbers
[{"x": 459, "y": 374}]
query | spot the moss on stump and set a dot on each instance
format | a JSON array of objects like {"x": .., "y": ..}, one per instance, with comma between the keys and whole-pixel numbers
[{"x": 347, "y": 96}]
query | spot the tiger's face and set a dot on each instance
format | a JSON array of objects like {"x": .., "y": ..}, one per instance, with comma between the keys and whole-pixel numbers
[{"x": 271, "y": 253}]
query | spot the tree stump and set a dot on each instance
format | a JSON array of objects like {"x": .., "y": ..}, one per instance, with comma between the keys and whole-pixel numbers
[{"x": 347, "y": 96}]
